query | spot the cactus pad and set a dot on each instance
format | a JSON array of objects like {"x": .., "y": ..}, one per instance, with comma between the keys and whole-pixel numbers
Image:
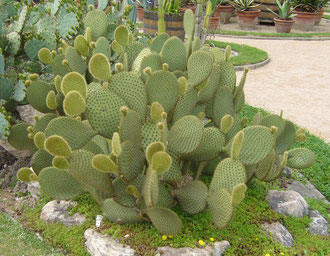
[
  {"x": 174, "y": 54},
  {"x": 300, "y": 158},
  {"x": 199, "y": 67},
  {"x": 97, "y": 21},
  {"x": 18, "y": 137}
]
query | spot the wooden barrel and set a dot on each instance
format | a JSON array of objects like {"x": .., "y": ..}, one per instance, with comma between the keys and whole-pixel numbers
[
  {"x": 173, "y": 23},
  {"x": 265, "y": 15}
]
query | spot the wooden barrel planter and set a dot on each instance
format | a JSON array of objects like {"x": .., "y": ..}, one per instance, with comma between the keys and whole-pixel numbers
[
  {"x": 173, "y": 23},
  {"x": 265, "y": 15}
]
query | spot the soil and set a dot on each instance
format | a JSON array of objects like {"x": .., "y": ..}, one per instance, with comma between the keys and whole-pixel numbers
[
  {"x": 296, "y": 80},
  {"x": 324, "y": 26}
]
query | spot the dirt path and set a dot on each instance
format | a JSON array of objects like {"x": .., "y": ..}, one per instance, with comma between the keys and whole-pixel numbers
[{"x": 297, "y": 80}]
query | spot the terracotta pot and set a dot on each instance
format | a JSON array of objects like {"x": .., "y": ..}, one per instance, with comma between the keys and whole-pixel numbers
[
  {"x": 224, "y": 12},
  {"x": 214, "y": 22},
  {"x": 283, "y": 26},
  {"x": 319, "y": 17},
  {"x": 247, "y": 19},
  {"x": 140, "y": 13},
  {"x": 191, "y": 7},
  {"x": 304, "y": 20}
]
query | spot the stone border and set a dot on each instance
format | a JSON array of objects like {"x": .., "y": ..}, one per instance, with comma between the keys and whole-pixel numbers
[
  {"x": 277, "y": 38},
  {"x": 253, "y": 66}
]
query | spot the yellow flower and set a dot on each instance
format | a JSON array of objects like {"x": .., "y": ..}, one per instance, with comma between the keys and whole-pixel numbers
[
  {"x": 201, "y": 242},
  {"x": 164, "y": 237},
  {"x": 257, "y": 238},
  {"x": 281, "y": 253},
  {"x": 212, "y": 239},
  {"x": 170, "y": 236},
  {"x": 267, "y": 254}
]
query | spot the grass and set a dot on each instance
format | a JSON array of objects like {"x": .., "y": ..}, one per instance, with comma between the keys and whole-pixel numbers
[
  {"x": 326, "y": 16},
  {"x": 247, "y": 54},
  {"x": 15, "y": 240}
]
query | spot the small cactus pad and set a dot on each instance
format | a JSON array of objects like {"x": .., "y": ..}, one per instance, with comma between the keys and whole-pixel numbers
[
  {"x": 238, "y": 194},
  {"x": 220, "y": 206},
  {"x": 58, "y": 146},
  {"x": 99, "y": 67},
  {"x": 59, "y": 184},
  {"x": 192, "y": 197},
  {"x": 227, "y": 175},
  {"x": 120, "y": 214},
  {"x": 186, "y": 134},
  {"x": 18, "y": 137},
  {"x": 24, "y": 173},
  {"x": 165, "y": 220},
  {"x": 300, "y": 158}
]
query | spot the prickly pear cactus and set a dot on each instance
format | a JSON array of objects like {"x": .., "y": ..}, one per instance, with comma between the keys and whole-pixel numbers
[{"x": 138, "y": 131}]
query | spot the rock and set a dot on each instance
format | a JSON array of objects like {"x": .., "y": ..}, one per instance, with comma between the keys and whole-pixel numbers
[
  {"x": 287, "y": 172},
  {"x": 280, "y": 233},
  {"x": 56, "y": 211},
  {"x": 103, "y": 245},
  {"x": 319, "y": 225},
  {"x": 34, "y": 188},
  {"x": 13, "y": 151},
  {"x": 220, "y": 247},
  {"x": 27, "y": 113},
  {"x": 185, "y": 251},
  {"x": 289, "y": 203},
  {"x": 217, "y": 250},
  {"x": 20, "y": 188},
  {"x": 307, "y": 190}
]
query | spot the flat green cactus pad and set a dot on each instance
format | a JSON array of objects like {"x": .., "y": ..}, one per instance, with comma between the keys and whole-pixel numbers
[
  {"x": 120, "y": 190},
  {"x": 223, "y": 105},
  {"x": 286, "y": 138},
  {"x": 227, "y": 75},
  {"x": 174, "y": 173},
  {"x": 82, "y": 169},
  {"x": 210, "y": 147},
  {"x": 36, "y": 94},
  {"x": 18, "y": 137},
  {"x": 265, "y": 166},
  {"x": 186, "y": 134},
  {"x": 40, "y": 160},
  {"x": 219, "y": 55},
  {"x": 130, "y": 160},
  {"x": 76, "y": 63},
  {"x": 174, "y": 54},
  {"x": 300, "y": 158},
  {"x": 164, "y": 198},
  {"x": 200, "y": 65},
  {"x": 192, "y": 197},
  {"x": 227, "y": 175},
  {"x": 207, "y": 93},
  {"x": 153, "y": 61},
  {"x": 162, "y": 87},
  {"x": 166, "y": 221},
  {"x": 274, "y": 120},
  {"x": 43, "y": 121},
  {"x": 150, "y": 134},
  {"x": 158, "y": 42},
  {"x": 221, "y": 209},
  {"x": 257, "y": 144},
  {"x": 133, "y": 50},
  {"x": 59, "y": 184},
  {"x": 103, "y": 46},
  {"x": 186, "y": 104},
  {"x": 150, "y": 189},
  {"x": 103, "y": 112},
  {"x": 130, "y": 126},
  {"x": 74, "y": 81},
  {"x": 74, "y": 104},
  {"x": 98, "y": 22},
  {"x": 131, "y": 89},
  {"x": 238, "y": 194},
  {"x": 58, "y": 67},
  {"x": 120, "y": 214},
  {"x": 73, "y": 131}
]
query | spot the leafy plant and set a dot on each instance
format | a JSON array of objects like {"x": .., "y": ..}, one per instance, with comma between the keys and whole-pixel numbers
[
  {"x": 243, "y": 5},
  {"x": 137, "y": 128},
  {"x": 309, "y": 5},
  {"x": 285, "y": 12}
]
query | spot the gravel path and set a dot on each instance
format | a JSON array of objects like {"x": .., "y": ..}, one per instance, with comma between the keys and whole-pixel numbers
[{"x": 297, "y": 80}]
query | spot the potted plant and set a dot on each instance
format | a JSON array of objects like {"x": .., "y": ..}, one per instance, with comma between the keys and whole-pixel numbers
[
  {"x": 284, "y": 21},
  {"x": 320, "y": 11},
  {"x": 172, "y": 15},
  {"x": 224, "y": 11},
  {"x": 307, "y": 13},
  {"x": 247, "y": 14}
]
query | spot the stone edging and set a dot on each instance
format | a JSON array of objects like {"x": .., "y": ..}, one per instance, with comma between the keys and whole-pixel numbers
[
  {"x": 278, "y": 38},
  {"x": 252, "y": 66}
]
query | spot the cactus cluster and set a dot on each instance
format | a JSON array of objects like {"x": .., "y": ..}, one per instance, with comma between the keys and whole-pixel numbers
[
  {"x": 137, "y": 129},
  {"x": 27, "y": 28}
]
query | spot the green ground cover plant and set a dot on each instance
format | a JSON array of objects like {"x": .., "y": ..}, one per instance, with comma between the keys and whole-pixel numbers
[{"x": 16, "y": 240}]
